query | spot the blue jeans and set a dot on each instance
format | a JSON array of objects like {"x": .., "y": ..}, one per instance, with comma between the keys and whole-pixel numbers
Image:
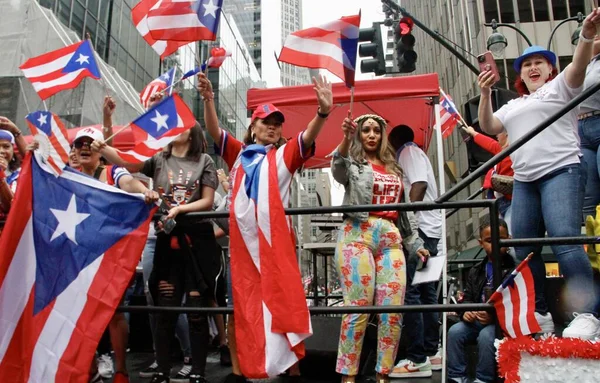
[
  {"x": 181, "y": 331},
  {"x": 554, "y": 203},
  {"x": 422, "y": 329},
  {"x": 589, "y": 134},
  {"x": 462, "y": 333}
]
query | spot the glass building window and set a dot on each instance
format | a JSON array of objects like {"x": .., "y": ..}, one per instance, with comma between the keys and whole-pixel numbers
[
  {"x": 576, "y": 6},
  {"x": 475, "y": 15},
  {"x": 64, "y": 11},
  {"x": 525, "y": 12},
  {"x": 103, "y": 13},
  {"x": 541, "y": 10},
  {"x": 507, "y": 13},
  {"x": 559, "y": 9},
  {"x": 90, "y": 26},
  {"x": 490, "y": 8},
  {"x": 48, "y": 4},
  {"x": 77, "y": 17},
  {"x": 92, "y": 7}
]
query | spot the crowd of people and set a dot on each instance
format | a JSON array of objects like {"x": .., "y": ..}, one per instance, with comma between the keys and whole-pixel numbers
[{"x": 552, "y": 183}]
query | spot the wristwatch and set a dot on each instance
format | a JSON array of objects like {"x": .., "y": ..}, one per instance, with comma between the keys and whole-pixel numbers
[{"x": 322, "y": 115}]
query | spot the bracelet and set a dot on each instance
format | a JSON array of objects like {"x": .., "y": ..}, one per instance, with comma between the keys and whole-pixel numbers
[
  {"x": 585, "y": 39},
  {"x": 17, "y": 134},
  {"x": 208, "y": 98},
  {"x": 106, "y": 128},
  {"x": 322, "y": 115}
]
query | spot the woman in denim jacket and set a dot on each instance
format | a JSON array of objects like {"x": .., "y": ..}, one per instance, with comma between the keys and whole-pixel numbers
[{"x": 369, "y": 257}]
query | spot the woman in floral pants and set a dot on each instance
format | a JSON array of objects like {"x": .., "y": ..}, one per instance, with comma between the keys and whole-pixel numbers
[{"x": 369, "y": 257}]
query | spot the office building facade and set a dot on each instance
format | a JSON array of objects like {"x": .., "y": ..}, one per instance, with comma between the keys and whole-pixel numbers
[{"x": 461, "y": 23}]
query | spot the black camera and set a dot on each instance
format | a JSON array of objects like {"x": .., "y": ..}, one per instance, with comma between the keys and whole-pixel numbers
[{"x": 481, "y": 59}]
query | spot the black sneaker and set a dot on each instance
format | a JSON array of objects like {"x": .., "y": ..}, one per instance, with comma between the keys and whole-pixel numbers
[
  {"x": 183, "y": 375},
  {"x": 194, "y": 378},
  {"x": 159, "y": 377},
  {"x": 149, "y": 371},
  {"x": 225, "y": 358}
]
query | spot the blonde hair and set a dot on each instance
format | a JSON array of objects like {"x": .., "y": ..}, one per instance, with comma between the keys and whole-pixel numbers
[{"x": 385, "y": 153}]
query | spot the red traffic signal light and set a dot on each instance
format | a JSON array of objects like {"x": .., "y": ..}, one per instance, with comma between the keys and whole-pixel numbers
[{"x": 405, "y": 26}]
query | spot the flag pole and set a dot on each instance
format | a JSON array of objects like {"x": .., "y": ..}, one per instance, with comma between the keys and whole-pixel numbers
[
  {"x": 462, "y": 121},
  {"x": 351, "y": 99},
  {"x": 117, "y": 132}
]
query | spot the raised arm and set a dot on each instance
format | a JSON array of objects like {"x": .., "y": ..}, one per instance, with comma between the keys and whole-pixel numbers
[
  {"x": 487, "y": 121},
  {"x": 210, "y": 112},
  {"x": 575, "y": 72},
  {"x": 8, "y": 125},
  {"x": 108, "y": 108},
  {"x": 325, "y": 99}
]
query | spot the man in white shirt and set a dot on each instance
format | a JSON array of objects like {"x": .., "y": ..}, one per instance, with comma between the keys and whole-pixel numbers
[{"x": 421, "y": 328}]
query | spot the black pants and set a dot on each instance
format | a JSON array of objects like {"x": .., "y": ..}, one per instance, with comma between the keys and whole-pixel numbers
[{"x": 189, "y": 269}]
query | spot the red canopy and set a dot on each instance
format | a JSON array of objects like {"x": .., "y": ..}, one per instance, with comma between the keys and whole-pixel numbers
[{"x": 400, "y": 100}]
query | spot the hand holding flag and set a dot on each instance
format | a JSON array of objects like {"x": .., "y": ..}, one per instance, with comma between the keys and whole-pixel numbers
[
  {"x": 51, "y": 137},
  {"x": 449, "y": 115},
  {"x": 159, "y": 84}
]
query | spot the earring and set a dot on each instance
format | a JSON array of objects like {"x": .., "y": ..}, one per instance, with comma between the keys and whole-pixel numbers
[{"x": 253, "y": 137}]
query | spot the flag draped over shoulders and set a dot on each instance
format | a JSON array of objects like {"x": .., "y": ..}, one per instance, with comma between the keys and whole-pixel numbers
[{"x": 271, "y": 315}]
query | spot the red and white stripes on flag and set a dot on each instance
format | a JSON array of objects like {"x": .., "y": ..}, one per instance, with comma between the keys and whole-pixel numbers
[
  {"x": 514, "y": 301},
  {"x": 449, "y": 116},
  {"x": 139, "y": 16},
  {"x": 271, "y": 314},
  {"x": 52, "y": 137}
]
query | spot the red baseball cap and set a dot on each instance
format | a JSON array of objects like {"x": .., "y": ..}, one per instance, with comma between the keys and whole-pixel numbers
[{"x": 265, "y": 110}]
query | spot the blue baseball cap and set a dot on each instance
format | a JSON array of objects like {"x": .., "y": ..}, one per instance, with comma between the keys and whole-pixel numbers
[{"x": 534, "y": 50}]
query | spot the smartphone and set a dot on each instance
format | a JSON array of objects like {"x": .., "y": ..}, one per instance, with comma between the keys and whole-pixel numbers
[{"x": 486, "y": 62}]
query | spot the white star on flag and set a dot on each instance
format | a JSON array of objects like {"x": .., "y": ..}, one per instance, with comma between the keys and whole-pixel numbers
[
  {"x": 210, "y": 8},
  {"x": 68, "y": 221},
  {"x": 160, "y": 120},
  {"x": 165, "y": 76},
  {"x": 43, "y": 119},
  {"x": 82, "y": 59}
]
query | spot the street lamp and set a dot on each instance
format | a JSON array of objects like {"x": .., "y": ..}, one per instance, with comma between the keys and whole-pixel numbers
[{"x": 497, "y": 42}]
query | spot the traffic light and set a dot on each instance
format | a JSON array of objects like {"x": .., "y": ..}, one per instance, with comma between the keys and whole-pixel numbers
[
  {"x": 405, "y": 42},
  {"x": 373, "y": 49}
]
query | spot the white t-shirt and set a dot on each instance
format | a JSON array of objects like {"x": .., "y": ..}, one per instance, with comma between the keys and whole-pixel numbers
[
  {"x": 417, "y": 168},
  {"x": 553, "y": 148}
]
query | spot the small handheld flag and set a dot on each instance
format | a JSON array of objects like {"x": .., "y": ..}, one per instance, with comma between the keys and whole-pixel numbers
[
  {"x": 52, "y": 136},
  {"x": 159, "y": 84}
]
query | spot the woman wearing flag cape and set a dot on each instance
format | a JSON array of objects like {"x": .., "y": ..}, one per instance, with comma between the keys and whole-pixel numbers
[{"x": 271, "y": 316}]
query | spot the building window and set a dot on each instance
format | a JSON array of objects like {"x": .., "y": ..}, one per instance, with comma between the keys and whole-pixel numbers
[
  {"x": 475, "y": 16},
  {"x": 559, "y": 9},
  {"x": 490, "y": 8},
  {"x": 507, "y": 13},
  {"x": 563, "y": 61},
  {"x": 576, "y": 6},
  {"x": 525, "y": 13},
  {"x": 541, "y": 10}
]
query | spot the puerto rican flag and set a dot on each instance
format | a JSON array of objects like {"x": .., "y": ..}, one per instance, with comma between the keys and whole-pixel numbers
[
  {"x": 139, "y": 16},
  {"x": 185, "y": 20},
  {"x": 216, "y": 59},
  {"x": 449, "y": 115},
  {"x": 271, "y": 315},
  {"x": 159, "y": 84},
  {"x": 51, "y": 134},
  {"x": 332, "y": 46},
  {"x": 156, "y": 128},
  {"x": 66, "y": 259},
  {"x": 514, "y": 301},
  {"x": 61, "y": 69}
]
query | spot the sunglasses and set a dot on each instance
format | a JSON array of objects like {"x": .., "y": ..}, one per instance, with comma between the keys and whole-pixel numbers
[{"x": 80, "y": 143}]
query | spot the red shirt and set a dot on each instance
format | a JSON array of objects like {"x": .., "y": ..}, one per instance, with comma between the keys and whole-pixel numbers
[{"x": 387, "y": 188}]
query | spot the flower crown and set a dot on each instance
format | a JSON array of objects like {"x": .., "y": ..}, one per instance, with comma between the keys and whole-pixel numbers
[{"x": 380, "y": 120}]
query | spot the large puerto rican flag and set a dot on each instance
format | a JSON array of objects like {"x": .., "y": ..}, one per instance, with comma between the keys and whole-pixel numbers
[
  {"x": 61, "y": 69},
  {"x": 514, "y": 301},
  {"x": 156, "y": 128},
  {"x": 66, "y": 259},
  {"x": 332, "y": 46},
  {"x": 271, "y": 315},
  {"x": 139, "y": 16}
]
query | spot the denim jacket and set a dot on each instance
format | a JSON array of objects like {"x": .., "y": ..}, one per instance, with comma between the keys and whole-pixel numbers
[{"x": 357, "y": 179}]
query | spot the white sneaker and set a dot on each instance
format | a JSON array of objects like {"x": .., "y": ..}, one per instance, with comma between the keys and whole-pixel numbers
[
  {"x": 105, "y": 366},
  {"x": 436, "y": 361},
  {"x": 584, "y": 326},
  {"x": 546, "y": 322},
  {"x": 409, "y": 369}
]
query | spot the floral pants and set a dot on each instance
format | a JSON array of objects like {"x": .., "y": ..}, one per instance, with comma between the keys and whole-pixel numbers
[{"x": 372, "y": 271}]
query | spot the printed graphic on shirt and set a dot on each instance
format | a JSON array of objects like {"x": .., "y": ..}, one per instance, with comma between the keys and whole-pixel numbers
[
  {"x": 386, "y": 189},
  {"x": 178, "y": 193}
]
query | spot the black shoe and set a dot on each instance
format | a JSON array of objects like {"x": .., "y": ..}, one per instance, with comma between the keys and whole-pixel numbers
[
  {"x": 225, "y": 355},
  {"x": 233, "y": 378},
  {"x": 183, "y": 376},
  {"x": 159, "y": 377},
  {"x": 149, "y": 371},
  {"x": 195, "y": 378}
]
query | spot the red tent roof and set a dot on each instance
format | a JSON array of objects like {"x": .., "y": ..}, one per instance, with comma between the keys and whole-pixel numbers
[{"x": 400, "y": 100}]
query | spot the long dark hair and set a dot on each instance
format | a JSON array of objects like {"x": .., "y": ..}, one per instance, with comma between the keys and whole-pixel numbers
[{"x": 198, "y": 144}]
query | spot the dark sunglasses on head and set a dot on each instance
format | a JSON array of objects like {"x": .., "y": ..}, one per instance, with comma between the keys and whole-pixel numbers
[{"x": 80, "y": 143}]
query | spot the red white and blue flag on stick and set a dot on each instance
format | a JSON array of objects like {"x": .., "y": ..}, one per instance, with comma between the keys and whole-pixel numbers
[
  {"x": 51, "y": 134},
  {"x": 61, "y": 69},
  {"x": 449, "y": 115},
  {"x": 332, "y": 46},
  {"x": 216, "y": 59},
  {"x": 139, "y": 16},
  {"x": 185, "y": 20},
  {"x": 156, "y": 128},
  {"x": 159, "y": 84},
  {"x": 66, "y": 259},
  {"x": 514, "y": 301}
]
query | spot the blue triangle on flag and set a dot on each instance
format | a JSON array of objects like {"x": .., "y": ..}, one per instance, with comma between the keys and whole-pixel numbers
[
  {"x": 42, "y": 120},
  {"x": 83, "y": 58}
]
